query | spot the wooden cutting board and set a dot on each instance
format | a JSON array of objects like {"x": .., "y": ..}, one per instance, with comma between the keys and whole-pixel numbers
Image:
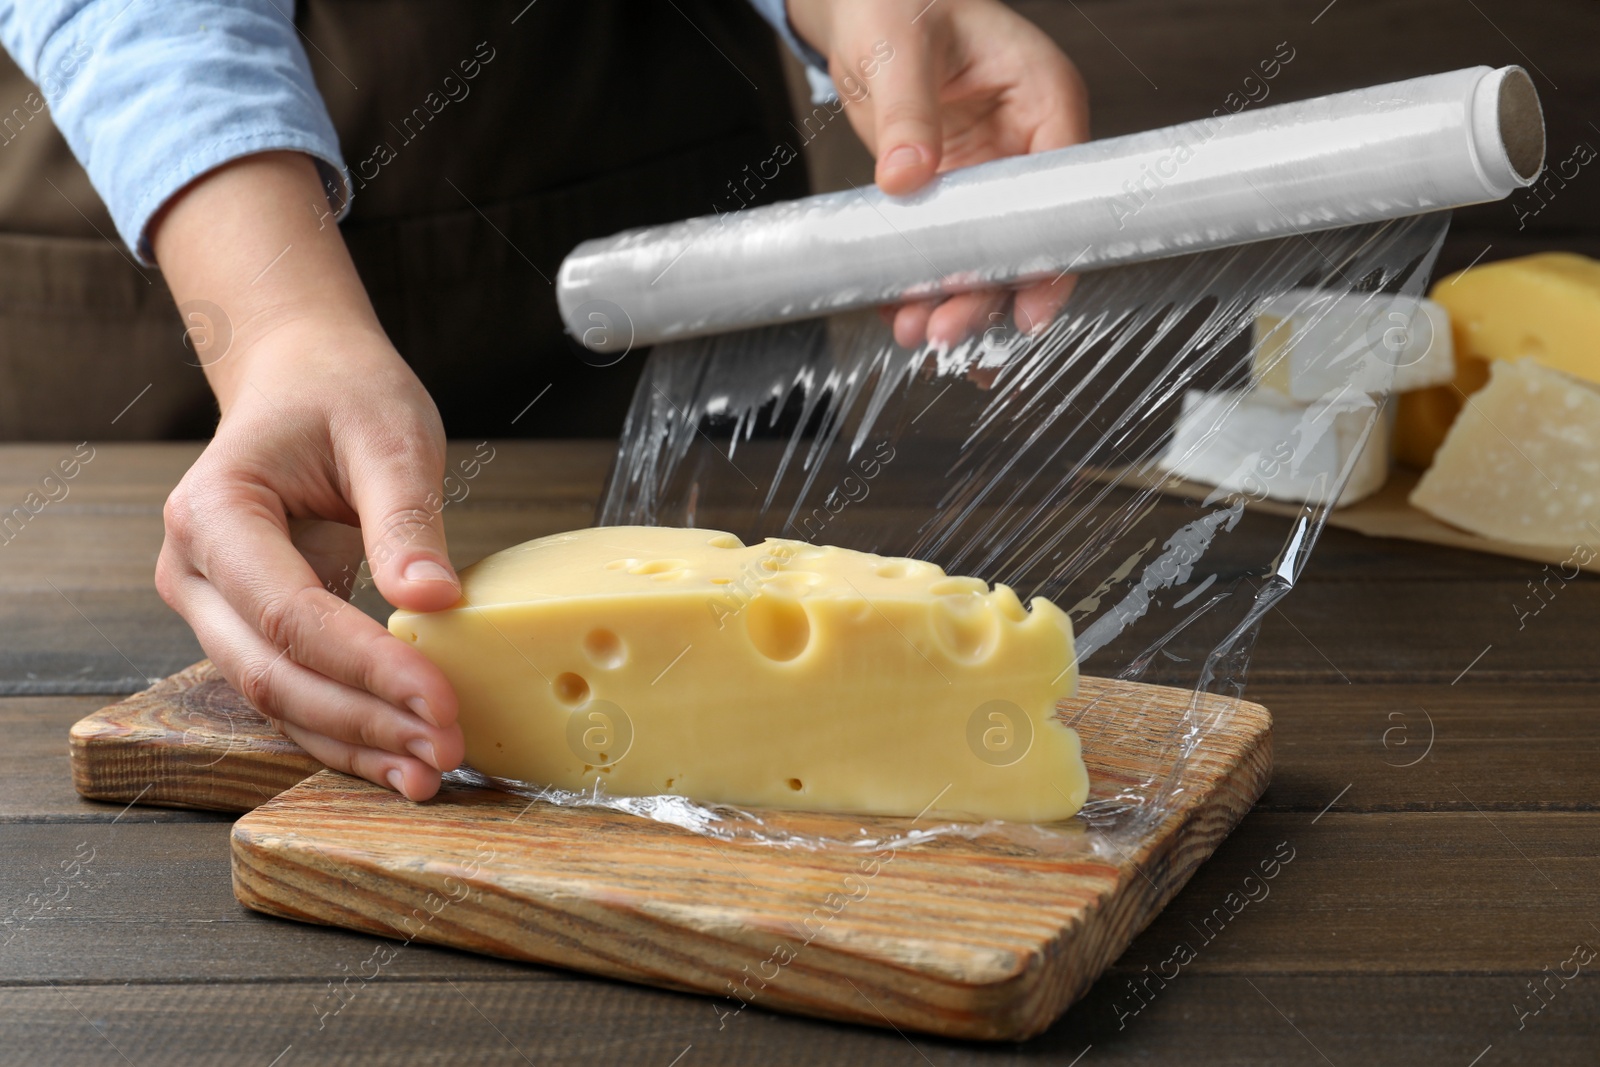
[{"x": 991, "y": 938}]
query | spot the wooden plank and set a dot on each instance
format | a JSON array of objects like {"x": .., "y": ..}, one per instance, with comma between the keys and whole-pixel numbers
[
  {"x": 135, "y": 475},
  {"x": 1396, "y": 631},
  {"x": 89, "y": 640},
  {"x": 1527, "y": 746},
  {"x": 123, "y": 638},
  {"x": 140, "y": 901},
  {"x": 36, "y": 771},
  {"x": 1198, "y": 1021},
  {"x": 1363, "y": 894},
  {"x": 141, "y": 475},
  {"x": 103, "y": 629},
  {"x": 987, "y": 938},
  {"x": 1448, "y": 892},
  {"x": 1433, "y": 748}
]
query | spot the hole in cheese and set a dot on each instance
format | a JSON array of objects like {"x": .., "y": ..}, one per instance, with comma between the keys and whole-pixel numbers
[
  {"x": 966, "y": 627},
  {"x": 658, "y": 566},
  {"x": 605, "y": 649},
  {"x": 725, "y": 541},
  {"x": 778, "y": 626},
  {"x": 571, "y": 689},
  {"x": 894, "y": 568},
  {"x": 618, "y": 564},
  {"x": 796, "y": 784}
]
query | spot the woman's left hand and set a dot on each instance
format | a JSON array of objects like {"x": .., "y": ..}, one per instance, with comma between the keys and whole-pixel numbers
[{"x": 952, "y": 83}]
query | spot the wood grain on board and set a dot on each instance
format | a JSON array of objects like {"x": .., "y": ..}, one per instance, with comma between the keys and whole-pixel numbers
[
  {"x": 988, "y": 938},
  {"x": 189, "y": 741}
]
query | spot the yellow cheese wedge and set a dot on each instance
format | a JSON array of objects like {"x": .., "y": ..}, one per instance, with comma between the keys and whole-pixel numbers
[
  {"x": 1522, "y": 462},
  {"x": 785, "y": 674},
  {"x": 1545, "y": 306}
]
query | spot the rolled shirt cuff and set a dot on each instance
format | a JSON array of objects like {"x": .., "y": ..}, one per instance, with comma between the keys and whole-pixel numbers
[{"x": 152, "y": 96}]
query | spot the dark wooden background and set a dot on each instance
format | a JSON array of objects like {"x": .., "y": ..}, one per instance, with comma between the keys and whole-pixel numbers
[{"x": 1423, "y": 900}]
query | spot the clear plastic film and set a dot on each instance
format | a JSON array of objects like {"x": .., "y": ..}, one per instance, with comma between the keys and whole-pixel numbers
[{"x": 1158, "y": 462}]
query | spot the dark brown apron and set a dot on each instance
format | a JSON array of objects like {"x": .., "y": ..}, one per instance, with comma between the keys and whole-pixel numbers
[{"x": 483, "y": 149}]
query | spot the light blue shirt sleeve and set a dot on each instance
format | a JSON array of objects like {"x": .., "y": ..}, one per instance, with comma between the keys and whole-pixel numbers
[
  {"x": 151, "y": 94},
  {"x": 777, "y": 13}
]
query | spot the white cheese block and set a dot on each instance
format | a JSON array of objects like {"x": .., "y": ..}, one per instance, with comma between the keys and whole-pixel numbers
[
  {"x": 785, "y": 674},
  {"x": 1264, "y": 445},
  {"x": 1311, "y": 344},
  {"x": 1522, "y": 461}
]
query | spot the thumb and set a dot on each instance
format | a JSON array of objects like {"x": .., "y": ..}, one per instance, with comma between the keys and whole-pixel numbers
[
  {"x": 907, "y": 130},
  {"x": 400, "y": 508}
]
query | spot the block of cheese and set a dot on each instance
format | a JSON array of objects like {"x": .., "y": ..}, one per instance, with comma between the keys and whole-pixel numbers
[
  {"x": 1522, "y": 461},
  {"x": 1423, "y": 418},
  {"x": 1545, "y": 306},
  {"x": 785, "y": 674},
  {"x": 1264, "y": 445},
  {"x": 1311, "y": 344}
]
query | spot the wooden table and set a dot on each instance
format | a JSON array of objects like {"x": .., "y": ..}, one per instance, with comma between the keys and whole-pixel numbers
[{"x": 1430, "y": 881}]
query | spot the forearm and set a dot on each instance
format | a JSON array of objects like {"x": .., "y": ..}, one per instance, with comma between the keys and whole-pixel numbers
[{"x": 256, "y": 238}]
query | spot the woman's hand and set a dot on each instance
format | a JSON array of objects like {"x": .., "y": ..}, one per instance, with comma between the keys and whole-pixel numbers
[
  {"x": 327, "y": 444},
  {"x": 965, "y": 81}
]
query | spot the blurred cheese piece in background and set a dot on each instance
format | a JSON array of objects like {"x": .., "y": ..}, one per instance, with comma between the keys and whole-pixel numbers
[
  {"x": 1522, "y": 462},
  {"x": 1423, "y": 418},
  {"x": 1264, "y": 445},
  {"x": 1310, "y": 344},
  {"x": 1546, "y": 307},
  {"x": 785, "y": 674}
]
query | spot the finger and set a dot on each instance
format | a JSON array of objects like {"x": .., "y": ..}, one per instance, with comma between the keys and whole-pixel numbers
[
  {"x": 911, "y": 323},
  {"x": 395, "y": 748},
  {"x": 394, "y": 486},
  {"x": 239, "y": 545},
  {"x": 410, "y": 780},
  {"x": 1038, "y": 305},
  {"x": 962, "y": 316},
  {"x": 907, "y": 132}
]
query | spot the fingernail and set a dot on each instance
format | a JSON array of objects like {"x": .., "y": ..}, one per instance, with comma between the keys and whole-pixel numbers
[
  {"x": 426, "y": 570},
  {"x": 396, "y": 780},
  {"x": 906, "y": 155},
  {"x": 422, "y": 748},
  {"x": 420, "y": 709}
]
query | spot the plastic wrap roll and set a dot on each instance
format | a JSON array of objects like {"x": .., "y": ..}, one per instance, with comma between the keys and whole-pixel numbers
[{"x": 1441, "y": 141}]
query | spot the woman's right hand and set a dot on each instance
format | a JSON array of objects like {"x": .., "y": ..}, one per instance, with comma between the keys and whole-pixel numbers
[{"x": 328, "y": 445}]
